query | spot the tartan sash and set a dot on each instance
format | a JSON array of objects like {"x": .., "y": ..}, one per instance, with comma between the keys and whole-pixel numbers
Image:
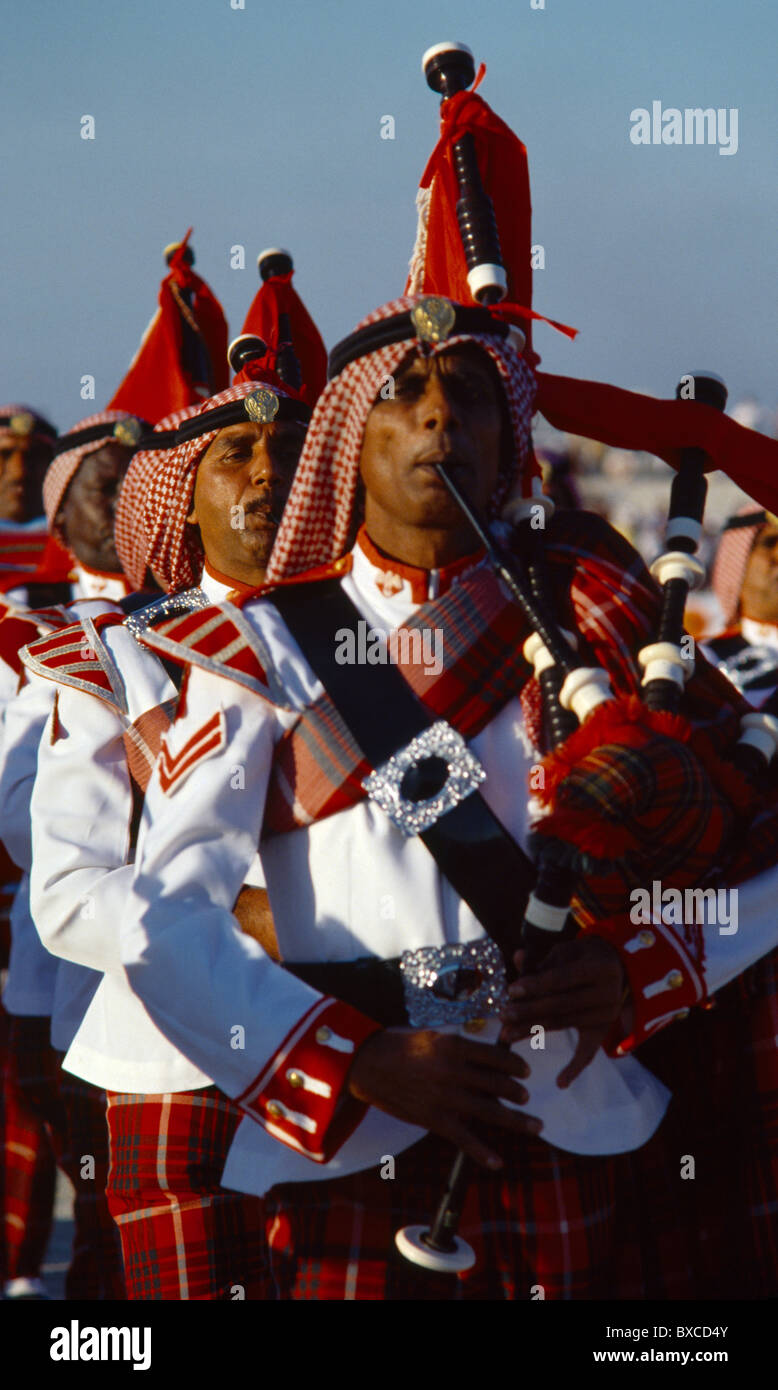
[{"x": 318, "y": 767}]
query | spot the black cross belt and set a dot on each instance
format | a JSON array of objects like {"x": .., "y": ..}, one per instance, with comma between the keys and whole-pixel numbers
[{"x": 471, "y": 847}]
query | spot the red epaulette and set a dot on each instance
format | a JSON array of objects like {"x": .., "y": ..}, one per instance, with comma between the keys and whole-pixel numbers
[
  {"x": 76, "y": 656},
  {"x": 213, "y": 638},
  {"x": 18, "y": 630},
  {"x": 220, "y": 640}
]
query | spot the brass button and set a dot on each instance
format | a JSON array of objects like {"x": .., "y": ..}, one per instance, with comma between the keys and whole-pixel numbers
[
  {"x": 674, "y": 979},
  {"x": 323, "y": 1035},
  {"x": 274, "y": 1109},
  {"x": 295, "y": 1078},
  {"x": 682, "y": 1013},
  {"x": 646, "y": 938},
  {"x": 474, "y": 1025}
]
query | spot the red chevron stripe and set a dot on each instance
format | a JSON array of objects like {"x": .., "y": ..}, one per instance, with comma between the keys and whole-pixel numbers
[{"x": 174, "y": 767}]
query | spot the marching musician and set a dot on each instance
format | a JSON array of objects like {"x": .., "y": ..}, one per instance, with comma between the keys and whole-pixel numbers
[
  {"x": 306, "y": 1032},
  {"x": 79, "y": 494},
  {"x": 199, "y": 517}
]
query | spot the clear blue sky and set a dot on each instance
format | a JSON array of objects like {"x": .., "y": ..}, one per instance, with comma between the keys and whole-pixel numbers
[{"x": 262, "y": 126}]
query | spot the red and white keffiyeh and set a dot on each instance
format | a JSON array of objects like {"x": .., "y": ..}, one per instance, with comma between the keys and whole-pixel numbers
[
  {"x": 157, "y": 497},
  {"x": 62, "y": 469},
  {"x": 731, "y": 561},
  {"x": 319, "y": 515},
  {"x": 132, "y": 534}
]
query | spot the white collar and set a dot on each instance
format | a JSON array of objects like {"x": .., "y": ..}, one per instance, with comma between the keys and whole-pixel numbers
[
  {"x": 92, "y": 584},
  {"x": 396, "y": 582},
  {"x": 759, "y": 634}
]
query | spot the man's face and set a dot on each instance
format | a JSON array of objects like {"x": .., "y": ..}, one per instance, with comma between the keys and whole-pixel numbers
[
  {"x": 446, "y": 408},
  {"x": 87, "y": 512},
  {"x": 759, "y": 594},
  {"x": 241, "y": 487},
  {"x": 23, "y": 462}
]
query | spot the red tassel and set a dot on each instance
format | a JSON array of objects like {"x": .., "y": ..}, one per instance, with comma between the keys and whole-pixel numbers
[
  {"x": 156, "y": 383},
  {"x": 278, "y": 296}
]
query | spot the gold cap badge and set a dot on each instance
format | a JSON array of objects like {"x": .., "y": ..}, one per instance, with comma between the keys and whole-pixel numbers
[
  {"x": 128, "y": 432},
  {"x": 23, "y": 423},
  {"x": 261, "y": 406},
  {"x": 433, "y": 318}
]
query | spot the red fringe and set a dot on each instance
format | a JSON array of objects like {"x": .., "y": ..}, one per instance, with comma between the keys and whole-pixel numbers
[
  {"x": 603, "y": 840},
  {"x": 626, "y": 721}
]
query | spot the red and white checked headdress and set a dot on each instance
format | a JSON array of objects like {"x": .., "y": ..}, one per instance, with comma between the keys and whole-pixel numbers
[
  {"x": 64, "y": 466},
  {"x": 151, "y": 530},
  {"x": 136, "y": 517},
  {"x": 732, "y": 556},
  {"x": 319, "y": 515}
]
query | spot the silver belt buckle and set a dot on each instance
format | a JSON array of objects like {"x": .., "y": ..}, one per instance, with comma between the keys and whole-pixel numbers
[
  {"x": 453, "y": 984},
  {"x": 437, "y": 762}
]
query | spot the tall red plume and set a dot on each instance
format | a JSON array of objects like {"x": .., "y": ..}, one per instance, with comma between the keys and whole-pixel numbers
[
  {"x": 502, "y": 161},
  {"x": 278, "y": 296},
  {"x": 182, "y": 358}
]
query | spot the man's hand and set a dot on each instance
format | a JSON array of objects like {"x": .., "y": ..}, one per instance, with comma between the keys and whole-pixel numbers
[
  {"x": 443, "y": 1083},
  {"x": 581, "y": 984}
]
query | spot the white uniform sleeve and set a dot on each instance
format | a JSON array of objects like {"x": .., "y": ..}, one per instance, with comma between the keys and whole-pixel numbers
[
  {"x": 81, "y": 812},
  {"x": 240, "y": 1017},
  {"x": 25, "y": 718}
]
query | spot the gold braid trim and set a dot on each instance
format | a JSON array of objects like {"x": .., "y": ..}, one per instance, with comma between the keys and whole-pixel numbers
[{"x": 186, "y": 312}]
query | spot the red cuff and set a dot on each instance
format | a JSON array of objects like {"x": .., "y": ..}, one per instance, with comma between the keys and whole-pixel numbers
[
  {"x": 297, "y": 1094},
  {"x": 665, "y": 981}
]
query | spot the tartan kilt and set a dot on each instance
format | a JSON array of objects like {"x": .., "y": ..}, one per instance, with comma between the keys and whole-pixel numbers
[
  {"x": 70, "y": 1115},
  {"x": 551, "y": 1225},
  {"x": 95, "y": 1270},
  {"x": 27, "y": 1167},
  {"x": 183, "y": 1235},
  {"x": 722, "y": 1064}
]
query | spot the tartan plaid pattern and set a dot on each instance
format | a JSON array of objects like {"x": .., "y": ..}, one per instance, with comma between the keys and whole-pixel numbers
[
  {"x": 183, "y": 1236},
  {"x": 72, "y": 1116},
  {"x": 654, "y": 814},
  {"x": 318, "y": 767},
  {"x": 601, "y": 589},
  {"x": 143, "y": 740},
  {"x": 569, "y": 1224},
  {"x": 96, "y": 1263},
  {"x": 722, "y": 1063},
  {"x": 27, "y": 1166}
]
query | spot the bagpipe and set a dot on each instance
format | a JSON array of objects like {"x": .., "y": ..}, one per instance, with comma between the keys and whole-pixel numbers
[{"x": 588, "y": 725}]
